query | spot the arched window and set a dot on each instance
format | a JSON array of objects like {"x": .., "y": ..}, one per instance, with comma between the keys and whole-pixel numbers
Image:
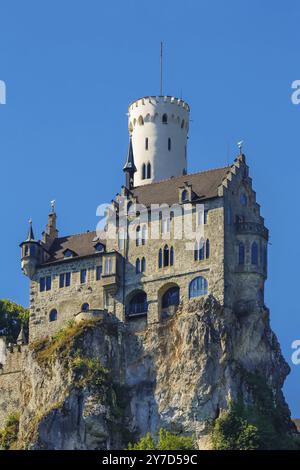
[
  {"x": 254, "y": 253},
  {"x": 85, "y": 307},
  {"x": 141, "y": 121},
  {"x": 207, "y": 249},
  {"x": 138, "y": 266},
  {"x": 165, "y": 119},
  {"x": 143, "y": 171},
  {"x": 160, "y": 260},
  {"x": 169, "y": 144},
  {"x": 182, "y": 124},
  {"x": 166, "y": 255},
  {"x": 53, "y": 315},
  {"x": 241, "y": 253},
  {"x": 144, "y": 234},
  {"x": 198, "y": 287},
  {"x": 172, "y": 256},
  {"x": 138, "y": 304},
  {"x": 26, "y": 250},
  {"x": 138, "y": 240},
  {"x": 201, "y": 250},
  {"x": 149, "y": 170},
  {"x": 146, "y": 143},
  {"x": 143, "y": 265},
  {"x": 171, "y": 297},
  {"x": 196, "y": 251},
  {"x": 184, "y": 195}
]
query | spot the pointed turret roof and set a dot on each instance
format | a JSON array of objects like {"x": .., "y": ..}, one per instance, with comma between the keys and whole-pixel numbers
[
  {"x": 129, "y": 165},
  {"x": 30, "y": 236}
]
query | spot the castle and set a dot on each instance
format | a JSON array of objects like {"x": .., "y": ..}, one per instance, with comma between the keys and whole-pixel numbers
[{"x": 138, "y": 268}]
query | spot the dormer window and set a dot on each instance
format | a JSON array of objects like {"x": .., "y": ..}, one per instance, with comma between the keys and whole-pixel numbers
[
  {"x": 185, "y": 194},
  {"x": 69, "y": 253},
  {"x": 99, "y": 247}
]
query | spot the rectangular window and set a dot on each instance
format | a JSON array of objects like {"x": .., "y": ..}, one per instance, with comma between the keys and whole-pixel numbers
[
  {"x": 146, "y": 143},
  {"x": 83, "y": 276},
  {"x": 61, "y": 281},
  {"x": 64, "y": 280},
  {"x": 42, "y": 284},
  {"x": 98, "y": 273},
  {"x": 48, "y": 283},
  {"x": 68, "y": 279}
]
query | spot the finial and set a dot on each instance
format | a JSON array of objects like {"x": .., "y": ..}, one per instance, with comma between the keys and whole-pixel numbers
[
  {"x": 30, "y": 236},
  {"x": 240, "y": 146},
  {"x": 53, "y": 206}
]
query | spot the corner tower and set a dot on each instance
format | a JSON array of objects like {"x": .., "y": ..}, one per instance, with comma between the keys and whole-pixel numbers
[{"x": 158, "y": 127}]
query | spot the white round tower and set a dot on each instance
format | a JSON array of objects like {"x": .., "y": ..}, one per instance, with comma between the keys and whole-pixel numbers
[{"x": 158, "y": 126}]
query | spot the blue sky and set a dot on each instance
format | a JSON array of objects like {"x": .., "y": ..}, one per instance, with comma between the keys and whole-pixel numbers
[{"x": 72, "y": 67}]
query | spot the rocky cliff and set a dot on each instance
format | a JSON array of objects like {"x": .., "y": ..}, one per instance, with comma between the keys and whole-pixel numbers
[{"x": 99, "y": 384}]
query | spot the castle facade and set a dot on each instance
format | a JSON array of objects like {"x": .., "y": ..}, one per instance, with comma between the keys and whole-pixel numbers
[{"x": 169, "y": 237}]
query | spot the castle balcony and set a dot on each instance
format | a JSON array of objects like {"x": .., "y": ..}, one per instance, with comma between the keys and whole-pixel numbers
[
  {"x": 112, "y": 263},
  {"x": 252, "y": 228}
]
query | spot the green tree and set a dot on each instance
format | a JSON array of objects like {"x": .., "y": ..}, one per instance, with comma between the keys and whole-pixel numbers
[
  {"x": 165, "y": 441},
  {"x": 12, "y": 317}
]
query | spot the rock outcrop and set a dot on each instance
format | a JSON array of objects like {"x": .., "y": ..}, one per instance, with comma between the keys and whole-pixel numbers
[{"x": 100, "y": 384}]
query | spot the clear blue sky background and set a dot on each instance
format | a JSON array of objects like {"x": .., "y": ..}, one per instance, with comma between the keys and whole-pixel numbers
[{"x": 72, "y": 67}]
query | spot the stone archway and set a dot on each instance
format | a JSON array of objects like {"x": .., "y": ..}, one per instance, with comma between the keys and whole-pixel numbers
[{"x": 168, "y": 300}]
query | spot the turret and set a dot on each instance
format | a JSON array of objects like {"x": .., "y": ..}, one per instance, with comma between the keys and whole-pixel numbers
[
  {"x": 51, "y": 232},
  {"x": 129, "y": 167},
  {"x": 31, "y": 252},
  {"x": 158, "y": 126}
]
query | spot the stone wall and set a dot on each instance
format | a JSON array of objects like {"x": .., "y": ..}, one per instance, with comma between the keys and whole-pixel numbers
[
  {"x": 155, "y": 281},
  {"x": 10, "y": 379},
  {"x": 67, "y": 300},
  {"x": 243, "y": 283}
]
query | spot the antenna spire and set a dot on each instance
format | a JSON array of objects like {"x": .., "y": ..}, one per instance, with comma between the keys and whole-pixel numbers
[{"x": 161, "y": 69}]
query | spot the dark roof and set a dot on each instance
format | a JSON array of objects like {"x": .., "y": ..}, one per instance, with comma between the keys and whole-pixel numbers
[
  {"x": 81, "y": 245},
  {"x": 129, "y": 165},
  {"x": 204, "y": 186}
]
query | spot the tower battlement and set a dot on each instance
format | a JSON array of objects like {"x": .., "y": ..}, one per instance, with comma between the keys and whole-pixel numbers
[{"x": 158, "y": 126}]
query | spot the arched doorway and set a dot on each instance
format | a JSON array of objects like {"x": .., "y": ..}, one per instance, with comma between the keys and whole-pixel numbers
[
  {"x": 137, "y": 305},
  {"x": 169, "y": 300}
]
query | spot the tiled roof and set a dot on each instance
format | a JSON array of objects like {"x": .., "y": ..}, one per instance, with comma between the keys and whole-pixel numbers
[
  {"x": 204, "y": 186},
  {"x": 82, "y": 245}
]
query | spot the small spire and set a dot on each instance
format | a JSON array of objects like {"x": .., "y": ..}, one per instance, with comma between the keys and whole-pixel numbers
[
  {"x": 240, "y": 146},
  {"x": 30, "y": 236},
  {"x": 129, "y": 167}
]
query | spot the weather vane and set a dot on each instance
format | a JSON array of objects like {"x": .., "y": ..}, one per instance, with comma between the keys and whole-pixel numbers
[{"x": 240, "y": 146}]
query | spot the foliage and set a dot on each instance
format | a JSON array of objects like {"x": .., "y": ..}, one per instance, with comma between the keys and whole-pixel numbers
[
  {"x": 12, "y": 317},
  {"x": 259, "y": 426},
  {"x": 9, "y": 435},
  {"x": 165, "y": 441},
  {"x": 89, "y": 371},
  {"x": 62, "y": 342},
  {"x": 232, "y": 431}
]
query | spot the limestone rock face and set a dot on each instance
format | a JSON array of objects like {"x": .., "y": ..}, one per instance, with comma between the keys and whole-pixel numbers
[{"x": 178, "y": 375}]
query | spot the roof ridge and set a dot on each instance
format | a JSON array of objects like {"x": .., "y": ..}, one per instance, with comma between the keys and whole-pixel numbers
[
  {"x": 77, "y": 234},
  {"x": 182, "y": 176}
]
